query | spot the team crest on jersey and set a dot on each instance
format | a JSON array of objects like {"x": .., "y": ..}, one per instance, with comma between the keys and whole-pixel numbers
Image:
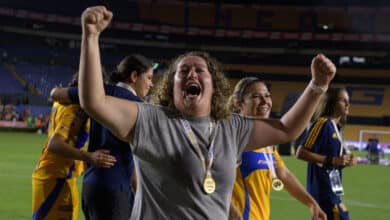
[{"x": 334, "y": 135}]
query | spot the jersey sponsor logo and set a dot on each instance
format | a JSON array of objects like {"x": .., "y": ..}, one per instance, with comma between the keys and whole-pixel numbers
[{"x": 262, "y": 162}]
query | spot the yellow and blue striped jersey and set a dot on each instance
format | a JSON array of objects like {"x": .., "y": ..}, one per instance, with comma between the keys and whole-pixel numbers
[{"x": 251, "y": 191}]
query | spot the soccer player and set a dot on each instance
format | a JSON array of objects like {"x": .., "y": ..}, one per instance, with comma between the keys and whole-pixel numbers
[
  {"x": 186, "y": 149},
  {"x": 109, "y": 193},
  {"x": 326, "y": 155},
  {"x": 262, "y": 169},
  {"x": 54, "y": 190}
]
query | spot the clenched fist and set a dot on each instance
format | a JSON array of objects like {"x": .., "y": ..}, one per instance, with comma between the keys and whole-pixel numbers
[
  {"x": 323, "y": 70},
  {"x": 95, "y": 19}
]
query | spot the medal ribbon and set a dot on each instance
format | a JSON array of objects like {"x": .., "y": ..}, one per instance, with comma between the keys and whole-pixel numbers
[
  {"x": 206, "y": 164},
  {"x": 270, "y": 162},
  {"x": 339, "y": 137}
]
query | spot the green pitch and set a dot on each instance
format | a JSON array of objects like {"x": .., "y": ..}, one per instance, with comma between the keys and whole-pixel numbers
[{"x": 367, "y": 187}]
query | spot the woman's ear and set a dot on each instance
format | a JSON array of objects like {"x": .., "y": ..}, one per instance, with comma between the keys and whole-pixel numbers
[
  {"x": 237, "y": 105},
  {"x": 133, "y": 76}
]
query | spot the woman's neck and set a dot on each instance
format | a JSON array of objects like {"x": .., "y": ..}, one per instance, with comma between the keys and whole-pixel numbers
[{"x": 127, "y": 86}]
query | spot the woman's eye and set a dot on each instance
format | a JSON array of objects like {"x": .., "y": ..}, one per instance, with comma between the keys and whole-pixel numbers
[{"x": 199, "y": 70}]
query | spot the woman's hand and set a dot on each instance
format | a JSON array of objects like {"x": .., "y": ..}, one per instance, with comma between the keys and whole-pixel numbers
[{"x": 95, "y": 19}]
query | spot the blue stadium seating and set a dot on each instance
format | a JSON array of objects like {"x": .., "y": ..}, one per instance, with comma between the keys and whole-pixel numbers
[
  {"x": 8, "y": 83},
  {"x": 44, "y": 77}
]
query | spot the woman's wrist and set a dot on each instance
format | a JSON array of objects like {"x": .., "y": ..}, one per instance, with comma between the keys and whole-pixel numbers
[{"x": 316, "y": 88}]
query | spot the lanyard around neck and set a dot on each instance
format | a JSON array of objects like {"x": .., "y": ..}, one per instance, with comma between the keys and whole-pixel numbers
[
  {"x": 206, "y": 164},
  {"x": 338, "y": 137}
]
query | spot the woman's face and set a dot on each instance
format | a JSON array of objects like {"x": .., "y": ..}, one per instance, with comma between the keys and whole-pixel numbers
[
  {"x": 143, "y": 83},
  {"x": 342, "y": 104},
  {"x": 256, "y": 101},
  {"x": 193, "y": 86}
]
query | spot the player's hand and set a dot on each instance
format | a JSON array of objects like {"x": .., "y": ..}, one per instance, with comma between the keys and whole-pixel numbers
[
  {"x": 344, "y": 160},
  {"x": 102, "y": 158},
  {"x": 352, "y": 160},
  {"x": 323, "y": 70},
  {"x": 317, "y": 213},
  {"x": 95, "y": 19}
]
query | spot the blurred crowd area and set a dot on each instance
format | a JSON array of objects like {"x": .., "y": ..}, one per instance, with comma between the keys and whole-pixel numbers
[{"x": 9, "y": 112}]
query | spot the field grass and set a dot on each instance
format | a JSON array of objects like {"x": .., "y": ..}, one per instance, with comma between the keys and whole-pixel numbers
[{"x": 367, "y": 187}]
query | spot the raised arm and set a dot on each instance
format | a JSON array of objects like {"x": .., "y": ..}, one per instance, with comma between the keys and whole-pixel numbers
[
  {"x": 291, "y": 125},
  {"x": 116, "y": 114}
]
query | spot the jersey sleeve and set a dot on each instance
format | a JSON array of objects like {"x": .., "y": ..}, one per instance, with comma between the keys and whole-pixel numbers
[
  {"x": 314, "y": 133},
  {"x": 66, "y": 118},
  {"x": 241, "y": 126},
  {"x": 146, "y": 125}
]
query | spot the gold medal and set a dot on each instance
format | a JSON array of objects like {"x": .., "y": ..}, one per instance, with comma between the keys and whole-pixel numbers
[
  {"x": 209, "y": 184},
  {"x": 277, "y": 184}
]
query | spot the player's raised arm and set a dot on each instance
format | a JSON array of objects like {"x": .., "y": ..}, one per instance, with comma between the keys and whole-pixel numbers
[
  {"x": 116, "y": 114},
  {"x": 291, "y": 125}
]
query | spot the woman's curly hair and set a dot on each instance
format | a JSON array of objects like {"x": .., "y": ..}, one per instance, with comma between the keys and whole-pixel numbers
[{"x": 163, "y": 94}]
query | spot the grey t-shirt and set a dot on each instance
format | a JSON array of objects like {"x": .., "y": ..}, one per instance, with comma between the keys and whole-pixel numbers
[{"x": 169, "y": 171}]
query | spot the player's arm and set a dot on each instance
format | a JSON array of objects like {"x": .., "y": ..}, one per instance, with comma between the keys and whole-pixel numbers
[
  {"x": 295, "y": 188},
  {"x": 293, "y": 123},
  {"x": 70, "y": 135},
  {"x": 58, "y": 145},
  {"x": 118, "y": 115},
  {"x": 336, "y": 161},
  {"x": 306, "y": 155}
]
